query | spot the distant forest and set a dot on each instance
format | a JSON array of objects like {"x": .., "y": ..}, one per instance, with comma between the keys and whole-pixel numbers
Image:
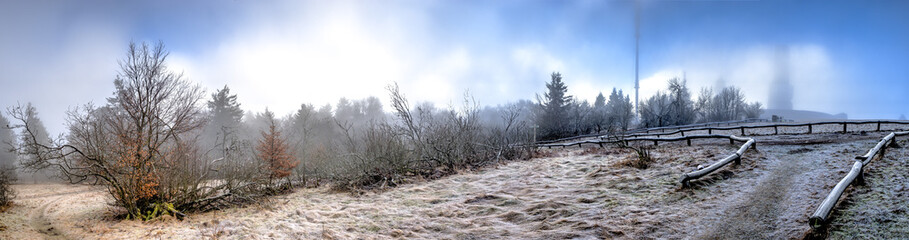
[{"x": 162, "y": 146}]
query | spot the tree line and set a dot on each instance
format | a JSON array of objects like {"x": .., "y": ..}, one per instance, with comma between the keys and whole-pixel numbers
[
  {"x": 560, "y": 115},
  {"x": 160, "y": 146}
]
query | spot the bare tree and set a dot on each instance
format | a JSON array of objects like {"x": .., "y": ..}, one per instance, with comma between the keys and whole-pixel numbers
[
  {"x": 753, "y": 110},
  {"x": 703, "y": 106},
  {"x": 655, "y": 110},
  {"x": 726, "y": 105},
  {"x": 579, "y": 116},
  {"x": 141, "y": 145},
  {"x": 682, "y": 108}
]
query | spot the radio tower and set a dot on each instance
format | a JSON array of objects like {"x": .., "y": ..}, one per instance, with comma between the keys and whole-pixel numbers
[{"x": 637, "y": 39}]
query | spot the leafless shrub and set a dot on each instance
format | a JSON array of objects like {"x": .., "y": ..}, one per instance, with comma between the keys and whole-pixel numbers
[
  {"x": 446, "y": 139},
  {"x": 6, "y": 193},
  {"x": 374, "y": 155},
  {"x": 641, "y": 159},
  {"x": 506, "y": 141},
  {"x": 142, "y": 145}
]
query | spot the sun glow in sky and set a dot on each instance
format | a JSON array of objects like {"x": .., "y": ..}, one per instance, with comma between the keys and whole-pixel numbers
[{"x": 847, "y": 56}]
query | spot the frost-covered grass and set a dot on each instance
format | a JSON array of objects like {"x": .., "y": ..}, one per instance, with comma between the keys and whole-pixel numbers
[
  {"x": 877, "y": 210},
  {"x": 573, "y": 193}
]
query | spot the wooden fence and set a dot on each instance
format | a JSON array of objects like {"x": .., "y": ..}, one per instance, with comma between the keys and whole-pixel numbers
[
  {"x": 820, "y": 217},
  {"x": 656, "y": 137},
  {"x": 647, "y": 131},
  {"x": 822, "y": 214},
  {"x": 775, "y": 126},
  {"x": 696, "y": 125},
  {"x": 687, "y": 177},
  {"x": 681, "y": 130},
  {"x": 736, "y": 156}
]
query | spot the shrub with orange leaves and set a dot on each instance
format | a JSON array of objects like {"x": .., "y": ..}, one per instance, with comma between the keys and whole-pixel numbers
[{"x": 275, "y": 152}]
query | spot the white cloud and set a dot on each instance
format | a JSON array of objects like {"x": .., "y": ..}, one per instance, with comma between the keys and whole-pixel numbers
[{"x": 282, "y": 61}]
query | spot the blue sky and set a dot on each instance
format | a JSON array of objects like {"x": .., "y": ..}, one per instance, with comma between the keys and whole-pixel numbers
[{"x": 847, "y": 56}]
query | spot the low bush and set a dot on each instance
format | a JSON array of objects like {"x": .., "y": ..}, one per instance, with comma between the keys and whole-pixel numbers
[{"x": 6, "y": 192}]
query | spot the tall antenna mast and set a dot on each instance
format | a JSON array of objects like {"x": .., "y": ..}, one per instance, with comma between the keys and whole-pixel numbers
[{"x": 637, "y": 39}]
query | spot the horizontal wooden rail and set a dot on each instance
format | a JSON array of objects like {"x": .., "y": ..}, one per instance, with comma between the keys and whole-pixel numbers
[
  {"x": 602, "y": 141},
  {"x": 774, "y": 125},
  {"x": 736, "y": 156},
  {"x": 822, "y": 214},
  {"x": 823, "y": 211},
  {"x": 727, "y": 123},
  {"x": 648, "y": 130},
  {"x": 706, "y": 126}
]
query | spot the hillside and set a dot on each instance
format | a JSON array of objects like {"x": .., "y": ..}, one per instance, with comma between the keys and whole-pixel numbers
[{"x": 573, "y": 193}]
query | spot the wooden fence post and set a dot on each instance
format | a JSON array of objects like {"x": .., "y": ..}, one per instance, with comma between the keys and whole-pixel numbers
[
  {"x": 809, "y": 128},
  {"x": 689, "y": 142},
  {"x": 710, "y": 131},
  {"x": 878, "y": 126},
  {"x": 844, "y": 127},
  {"x": 743, "y": 131},
  {"x": 775, "y": 131}
]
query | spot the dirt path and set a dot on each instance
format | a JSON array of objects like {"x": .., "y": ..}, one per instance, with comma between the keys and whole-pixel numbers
[
  {"x": 781, "y": 200},
  {"x": 756, "y": 214},
  {"x": 40, "y": 222},
  {"x": 44, "y": 211},
  {"x": 55, "y": 194}
]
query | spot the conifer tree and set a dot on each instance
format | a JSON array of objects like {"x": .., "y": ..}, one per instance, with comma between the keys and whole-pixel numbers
[
  {"x": 275, "y": 152},
  {"x": 555, "y": 106}
]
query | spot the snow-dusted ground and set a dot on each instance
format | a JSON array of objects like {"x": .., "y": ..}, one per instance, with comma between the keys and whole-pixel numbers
[
  {"x": 878, "y": 209},
  {"x": 576, "y": 193}
]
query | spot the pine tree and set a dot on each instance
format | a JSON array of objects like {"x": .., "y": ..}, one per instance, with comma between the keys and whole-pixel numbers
[
  {"x": 224, "y": 115},
  {"x": 224, "y": 111},
  {"x": 619, "y": 110},
  {"x": 599, "y": 115},
  {"x": 275, "y": 152},
  {"x": 41, "y": 137},
  {"x": 555, "y": 106},
  {"x": 600, "y": 101}
]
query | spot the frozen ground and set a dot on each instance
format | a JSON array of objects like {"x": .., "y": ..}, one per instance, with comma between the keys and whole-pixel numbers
[{"x": 575, "y": 193}]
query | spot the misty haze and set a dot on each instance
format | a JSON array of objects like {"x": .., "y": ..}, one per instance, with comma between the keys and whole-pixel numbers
[{"x": 612, "y": 119}]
